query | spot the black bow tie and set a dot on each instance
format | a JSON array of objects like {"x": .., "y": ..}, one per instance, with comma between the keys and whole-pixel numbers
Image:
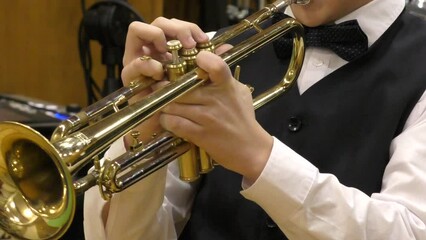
[{"x": 346, "y": 39}]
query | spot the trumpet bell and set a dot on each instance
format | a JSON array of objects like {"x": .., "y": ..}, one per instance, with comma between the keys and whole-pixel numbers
[{"x": 37, "y": 195}]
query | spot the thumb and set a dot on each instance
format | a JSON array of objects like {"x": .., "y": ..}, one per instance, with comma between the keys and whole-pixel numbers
[{"x": 214, "y": 65}]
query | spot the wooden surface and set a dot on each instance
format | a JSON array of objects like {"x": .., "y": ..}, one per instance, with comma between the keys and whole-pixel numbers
[{"x": 39, "y": 49}]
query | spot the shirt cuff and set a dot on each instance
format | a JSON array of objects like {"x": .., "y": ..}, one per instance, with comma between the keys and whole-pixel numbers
[
  {"x": 93, "y": 202},
  {"x": 284, "y": 183}
]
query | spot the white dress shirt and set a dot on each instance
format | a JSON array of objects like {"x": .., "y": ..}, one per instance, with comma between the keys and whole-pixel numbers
[{"x": 306, "y": 204}]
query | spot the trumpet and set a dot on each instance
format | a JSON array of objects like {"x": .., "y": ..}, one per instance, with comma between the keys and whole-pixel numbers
[{"x": 38, "y": 189}]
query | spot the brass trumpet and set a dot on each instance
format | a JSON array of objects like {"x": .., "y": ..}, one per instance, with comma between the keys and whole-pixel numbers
[{"x": 38, "y": 191}]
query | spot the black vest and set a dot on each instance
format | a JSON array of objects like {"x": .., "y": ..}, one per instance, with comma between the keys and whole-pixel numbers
[{"x": 343, "y": 125}]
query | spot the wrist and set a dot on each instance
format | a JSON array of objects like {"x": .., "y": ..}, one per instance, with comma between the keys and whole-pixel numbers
[{"x": 258, "y": 158}]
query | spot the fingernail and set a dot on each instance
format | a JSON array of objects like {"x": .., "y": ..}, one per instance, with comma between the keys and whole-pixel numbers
[
  {"x": 205, "y": 36},
  {"x": 191, "y": 42}
]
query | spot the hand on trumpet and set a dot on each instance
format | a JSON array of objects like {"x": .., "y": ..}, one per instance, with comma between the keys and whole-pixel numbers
[
  {"x": 144, "y": 53},
  {"x": 218, "y": 117}
]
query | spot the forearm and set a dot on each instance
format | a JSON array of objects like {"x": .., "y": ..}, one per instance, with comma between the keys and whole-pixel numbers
[
  {"x": 141, "y": 211},
  {"x": 307, "y": 204},
  {"x": 137, "y": 212}
]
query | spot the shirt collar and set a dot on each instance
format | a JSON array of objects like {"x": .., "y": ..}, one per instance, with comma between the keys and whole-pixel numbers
[{"x": 374, "y": 18}]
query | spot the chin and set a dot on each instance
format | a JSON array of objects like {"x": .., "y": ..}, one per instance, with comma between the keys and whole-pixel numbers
[
  {"x": 309, "y": 16},
  {"x": 310, "y": 21}
]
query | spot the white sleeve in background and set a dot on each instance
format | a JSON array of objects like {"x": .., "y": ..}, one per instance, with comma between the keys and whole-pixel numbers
[
  {"x": 306, "y": 204},
  {"x": 149, "y": 209}
]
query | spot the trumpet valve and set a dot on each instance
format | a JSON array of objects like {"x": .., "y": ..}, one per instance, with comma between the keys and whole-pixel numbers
[
  {"x": 206, "y": 46},
  {"x": 206, "y": 162},
  {"x": 189, "y": 56},
  {"x": 173, "y": 46},
  {"x": 177, "y": 66},
  {"x": 189, "y": 166}
]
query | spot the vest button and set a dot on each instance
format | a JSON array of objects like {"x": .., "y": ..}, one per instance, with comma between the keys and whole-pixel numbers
[{"x": 294, "y": 124}]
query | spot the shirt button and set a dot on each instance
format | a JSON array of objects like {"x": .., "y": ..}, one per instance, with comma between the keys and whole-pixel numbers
[
  {"x": 294, "y": 124},
  {"x": 270, "y": 223},
  {"x": 318, "y": 63}
]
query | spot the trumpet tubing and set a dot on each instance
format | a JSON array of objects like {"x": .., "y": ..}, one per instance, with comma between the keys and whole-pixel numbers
[{"x": 38, "y": 192}]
